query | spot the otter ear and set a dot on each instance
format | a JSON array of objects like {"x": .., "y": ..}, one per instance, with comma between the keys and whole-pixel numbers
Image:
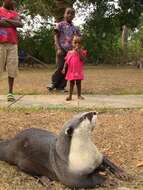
[{"x": 69, "y": 131}]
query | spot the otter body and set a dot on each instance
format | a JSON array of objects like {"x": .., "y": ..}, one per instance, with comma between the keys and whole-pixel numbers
[{"x": 69, "y": 157}]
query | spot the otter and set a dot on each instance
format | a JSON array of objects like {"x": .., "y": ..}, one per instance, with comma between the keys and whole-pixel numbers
[{"x": 70, "y": 157}]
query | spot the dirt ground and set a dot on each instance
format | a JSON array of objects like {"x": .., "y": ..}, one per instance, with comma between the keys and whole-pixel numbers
[
  {"x": 98, "y": 80},
  {"x": 119, "y": 135}
]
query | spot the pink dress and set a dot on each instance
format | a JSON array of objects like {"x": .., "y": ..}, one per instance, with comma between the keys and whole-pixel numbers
[{"x": 75, "y": 65}]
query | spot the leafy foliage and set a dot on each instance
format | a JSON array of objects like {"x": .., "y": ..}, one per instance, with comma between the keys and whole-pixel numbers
[
  {"x": 101, "y": 32},
  {"x": 130, "y": 12},
  {"x": 39, "y": 45},
  {"x": 136, "y": 42}
]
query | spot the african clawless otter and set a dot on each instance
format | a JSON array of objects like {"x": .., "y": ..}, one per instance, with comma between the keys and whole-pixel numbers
[{"x": 70, "y": 157}]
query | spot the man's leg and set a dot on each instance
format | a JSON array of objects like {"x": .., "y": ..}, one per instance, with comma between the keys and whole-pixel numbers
[
  {"x": 58, "y": 76},
  {"x": 10, "y": 96},
  {"x": 12, "y": 67},
  {"x": 62, "y": 81},
  {"x": 10, "y": 84},
  {"x": 2, "y": 59}
]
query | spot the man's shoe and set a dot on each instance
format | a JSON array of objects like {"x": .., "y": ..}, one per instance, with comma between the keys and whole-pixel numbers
[
  {"x": 51, "y": 87},
  {"x": 10, "y": 97}
]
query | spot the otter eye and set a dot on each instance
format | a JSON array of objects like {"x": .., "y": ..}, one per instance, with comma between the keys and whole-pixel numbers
[
  {"x": 69, "y": 131},
  {"x": 84, "y": 117}
]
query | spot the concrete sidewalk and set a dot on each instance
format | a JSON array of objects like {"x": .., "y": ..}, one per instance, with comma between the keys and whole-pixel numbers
[{"x": 58, "y": 101}]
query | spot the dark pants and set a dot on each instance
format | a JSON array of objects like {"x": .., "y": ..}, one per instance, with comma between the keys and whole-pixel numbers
[{"x": 58, "y": 78}]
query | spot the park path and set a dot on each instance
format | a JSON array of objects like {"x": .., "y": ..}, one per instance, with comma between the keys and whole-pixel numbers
[{"x": 58, "y": 101}]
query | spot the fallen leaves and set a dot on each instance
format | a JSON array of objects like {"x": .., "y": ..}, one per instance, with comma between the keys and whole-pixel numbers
[{"x": 140, "y": 164}]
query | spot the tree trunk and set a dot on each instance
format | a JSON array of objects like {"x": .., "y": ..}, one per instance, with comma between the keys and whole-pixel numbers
[
  {"x": 60, "y": 6},
  {"x": 125, "y": 42},
  {"x": 124, "y": 37},
  {"x": 45, "y": 8}
]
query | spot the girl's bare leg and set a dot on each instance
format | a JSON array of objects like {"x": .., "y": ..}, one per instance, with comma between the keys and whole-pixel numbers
[
  {"x": 72, "y": 82},
  {"x": 78, "y": 84}
]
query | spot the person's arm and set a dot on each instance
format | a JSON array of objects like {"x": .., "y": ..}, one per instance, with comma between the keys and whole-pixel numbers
[
  {"x": 67, "y": 59},
  {"x": 82, "y": 54},
  {"x": 57, "y": 44},
  {"x": 4, "y": 23},
  {"x": 56, "y": 39},
  {"x": 64, "y": 68},
  {"x": 57, "y": 29},
  {"x": 15, "y": 22}
]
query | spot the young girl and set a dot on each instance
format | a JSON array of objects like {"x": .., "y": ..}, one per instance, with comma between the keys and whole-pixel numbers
[{"x": 74, "y": 62}]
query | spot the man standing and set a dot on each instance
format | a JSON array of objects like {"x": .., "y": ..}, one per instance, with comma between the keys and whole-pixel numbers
[
  {"x": 64, "y": 33},
  {"x": 9, "y": 21}
]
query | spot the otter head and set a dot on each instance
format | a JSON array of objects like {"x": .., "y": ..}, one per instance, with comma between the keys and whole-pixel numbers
[
  {"x": 74, "y": 144},
  {"x": 81, "y": 124}
]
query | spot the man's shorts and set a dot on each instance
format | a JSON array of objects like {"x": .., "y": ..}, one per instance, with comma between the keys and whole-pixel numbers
[{"x": 9, "y": 59}]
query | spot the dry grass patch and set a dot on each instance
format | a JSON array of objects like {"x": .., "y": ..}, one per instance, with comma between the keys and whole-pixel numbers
[
  {"x": 119, "y": 136},
  {"x": 98, "y": 80}
]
